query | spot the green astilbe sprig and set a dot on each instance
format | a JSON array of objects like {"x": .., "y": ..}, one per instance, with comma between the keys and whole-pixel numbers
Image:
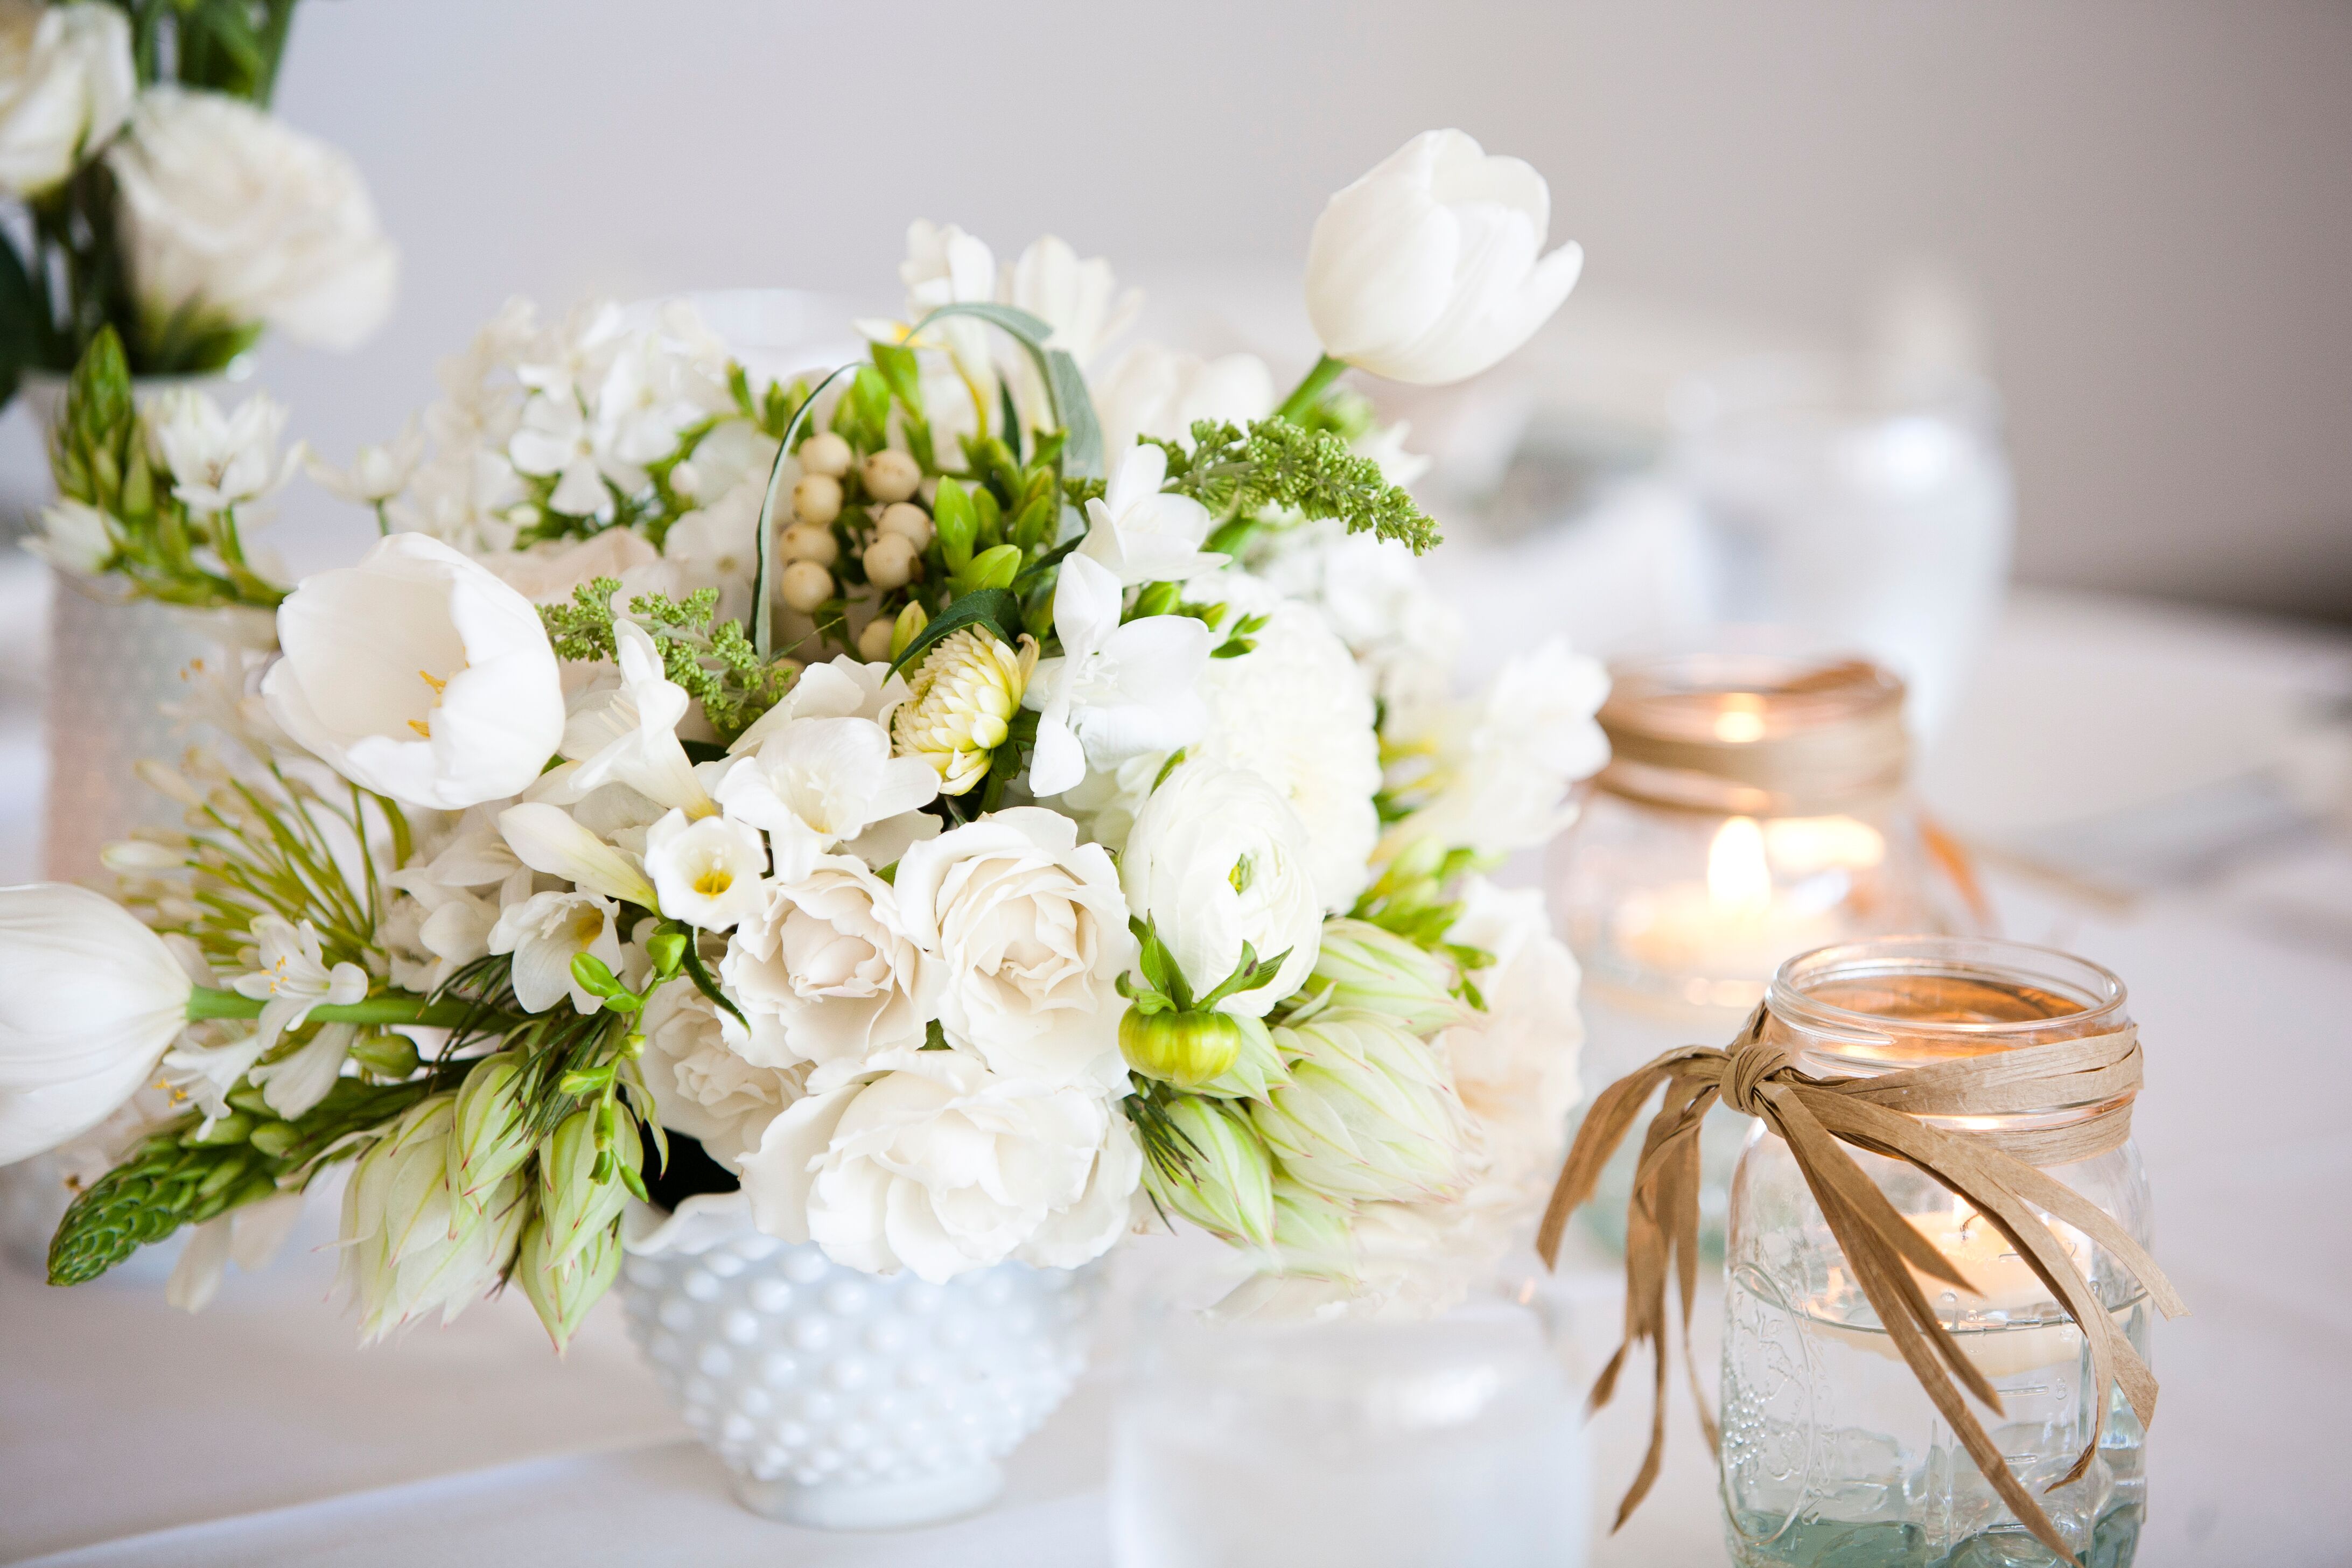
[
  {"x": 1275, "y": 465},
  {"x": 712, "y": 658}
]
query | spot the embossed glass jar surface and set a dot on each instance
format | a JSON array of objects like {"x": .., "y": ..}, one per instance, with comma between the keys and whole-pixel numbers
[{"x": 1832, "y": 1454}]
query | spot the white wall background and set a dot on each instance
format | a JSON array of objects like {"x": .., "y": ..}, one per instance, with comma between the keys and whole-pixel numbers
[{"x": 2150, "y": 200}]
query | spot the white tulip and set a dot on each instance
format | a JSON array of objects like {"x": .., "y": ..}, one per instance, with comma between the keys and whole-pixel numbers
[
  {"x": 829, "y": 957},
  {"x": 815, "y": 783},
  {"x": 1154, "y": 391},
  {"x": 418, "y": 675},
  {"x": 548, "y": 838},
  {"x": 707, "y": 873},
  {"x": 1117, "y": 691},
  {"x": 1031, "y": 928},
  {"x": 89, "y": 1000},
  {"x": 229, "y": 213},
  {"x": 627, "y": 733},
  {"x": 1143, "y": 535},
  {"x": 942, "y": 1167},
  {"x": 1427, "y": 269},
  {"x": 545, "y": 932},
  {"x": 219, "y": 461},
  {"x": 66, "y": 85},
  {"x": 1217, "y": 859}
]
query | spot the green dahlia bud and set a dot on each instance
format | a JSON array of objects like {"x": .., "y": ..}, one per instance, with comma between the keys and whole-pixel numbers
[
  {"x": 1186, "y": 1049},
  {"x": 1369, "y": 1112},
  {"x": 574, "y": 1206},
  {"x": 1312, "y": 1234},
  {"x": 561, "y": 1293},
  {"x": 1255, "y": 1070},
  {"x": 487, "y": 1140},
  {"x": 1228, "y": 1190},
  {"x": 1376, "y": 970}
]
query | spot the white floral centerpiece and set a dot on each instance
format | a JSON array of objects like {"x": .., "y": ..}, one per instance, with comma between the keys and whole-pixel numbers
[{"x": 983, "y": 839}]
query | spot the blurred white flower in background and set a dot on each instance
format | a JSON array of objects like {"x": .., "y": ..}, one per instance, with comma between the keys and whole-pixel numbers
[
  {"x": 66, "y": 85},
  {"x": 219, "y": 461},
  {"x": 1155, "y": 391}
]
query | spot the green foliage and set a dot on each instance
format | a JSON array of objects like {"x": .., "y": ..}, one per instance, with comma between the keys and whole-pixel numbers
[
  {"x": 231, "y": 46},
  {"x": 1412, "y": 899},
  {"x": 713, "y": 659},
  {"x": 1277, "y": 464}
]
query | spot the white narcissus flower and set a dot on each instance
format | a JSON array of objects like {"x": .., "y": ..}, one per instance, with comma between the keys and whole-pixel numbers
[
  {"x": 707, "y": 873},
  {"x": 1143, "y": 535},
  {"x": 1030, "y": 927},
  {"x": 545, "y": 932},
  {"x": 815, "y": 783},
  {"x": 941, "y": 1166},
  {"x": 548, "y": 838},
  {"x": 627, "y": 733},
  {"x": 231, "y": 215},
  {"x": 418, "y": 675},
  {"x": 712, "y": 1079},
  {"x": 75, "y": 537},
  {"x": 90, "y": 1001},
  {"x": 1116, "y": 692},
  {"x": 1217, "y": 859},
  {"x": 1494, "y": 776},
  {"x": 1154, "y": 391},
  {"x": 1427, "y": 269},
  {"x": 219, "y": 461},
  {"x": 829, "y": 957},
  {"x": 293, "y": 978},
  {"x": 67, "y": 82}
]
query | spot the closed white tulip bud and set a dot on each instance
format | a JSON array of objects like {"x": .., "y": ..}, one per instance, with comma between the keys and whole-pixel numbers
[
  {"x": 1428, "y": 269},
  {"x": 1369, "y": 1112},
  {"x": 874, "y": 641},
  {"x": 816, "y": 497},
  {"x": 1375, "y": 971},
  {"x": 561, "y": 1292},
  {"x": 890, "y": 562},
  {"x": 910, "y": 522},
  {"x": 1228, "y": 1187},
  {"x": 89, "y": 1000},
  {"x": 808, "y": 541},
  {"x": 409, "y": 1245},
  {"x": 892, "y": 474},
  {"x": 806, "y": 585},
  {"x": 827, "y": 454}
]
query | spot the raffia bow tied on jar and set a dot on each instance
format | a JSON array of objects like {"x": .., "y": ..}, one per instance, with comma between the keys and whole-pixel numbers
[{"x": 1970, "y": 1082}]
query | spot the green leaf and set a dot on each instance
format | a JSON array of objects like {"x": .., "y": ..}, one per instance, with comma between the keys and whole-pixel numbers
[
  {"x": 957, "y": 520},
  {"x": 1065, "y": 388},
  {"x": 902, "y": 372},
  {"x": 993, "y": 607},
  {"x": 993, "y": 568}
]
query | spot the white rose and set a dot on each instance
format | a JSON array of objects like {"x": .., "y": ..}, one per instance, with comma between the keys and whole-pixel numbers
[
  {"x": 712, "y": 1079},
  {"x": 1426, "y": 270},
  {"x": 232, "y": 215},
  {"x": 1217, "y": 859},
  {"x": 1031, "y": 929},
  {"x": 66, "y": 85},
  {"x": 1154, "y": 391},
  {"x": 829, "y": 957},
  {"x": 418, "y": 675},
  {"x": 942, "y": 1167}
]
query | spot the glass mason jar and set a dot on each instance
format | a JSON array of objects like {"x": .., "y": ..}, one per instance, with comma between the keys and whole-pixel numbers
[
  {"x": 1833, "y": 1453},
  {"x": 1755, "y": 805}
]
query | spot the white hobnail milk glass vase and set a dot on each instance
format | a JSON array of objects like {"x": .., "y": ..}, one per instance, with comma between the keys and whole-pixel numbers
[{"x": 842, "y": 1400}]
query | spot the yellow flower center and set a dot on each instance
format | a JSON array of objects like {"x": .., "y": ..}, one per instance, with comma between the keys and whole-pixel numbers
[{"x": 714, "y": 881}]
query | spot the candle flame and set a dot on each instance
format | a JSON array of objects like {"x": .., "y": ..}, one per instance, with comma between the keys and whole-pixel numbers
[
  {"x": 1740, "y": 720},
  {"x": 1737, "y": 877}
]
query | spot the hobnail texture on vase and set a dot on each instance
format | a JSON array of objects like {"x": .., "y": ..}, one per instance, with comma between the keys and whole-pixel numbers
[{"x": 852, "y": 1401}]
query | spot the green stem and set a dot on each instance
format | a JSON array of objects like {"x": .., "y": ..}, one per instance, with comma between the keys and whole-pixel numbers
[
  {"x": 391, "y": 1008},
  {"x": 1310, "y": 392}
]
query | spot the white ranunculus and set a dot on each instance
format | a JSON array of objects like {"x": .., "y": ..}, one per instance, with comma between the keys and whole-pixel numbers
[
  {"x": 830, "y": 957},
  {"x": 941, "y": 1166},
  {"x": 219, "y": 461},
  {"x": 1492, "y": 775},
  {"x": 815, "y": 783},
  {"x": 1515, "y": 1063},
  {"x": 89, "y": 1000},
  {"x": 1427, "y": 269},
  {"x": 1143, "y": 535},
  {"x": 545, "y": 932},
  {"x": 418, "y": 675},
  {"x": 75, "y": 537},
  {"x": 711, "y": 1078},
  {"x": 1218, "y": 858},
  {"x": 66, "y": 85},
  {"x": 707, "y": 873},
  {"x": 231, "y": 213},
  {"x": 1116, "y": 692},
  {"x": 1155, "y": 391},
  {"x": 1031, "y": 928}
]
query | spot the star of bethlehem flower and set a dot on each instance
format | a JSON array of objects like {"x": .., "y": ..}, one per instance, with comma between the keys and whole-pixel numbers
[
  {"x": 1116, "y": 692},
  {"x": 220, "y": 460},
  {"x": 379, "y": 470},
  {"x": 293, "y": 977}
]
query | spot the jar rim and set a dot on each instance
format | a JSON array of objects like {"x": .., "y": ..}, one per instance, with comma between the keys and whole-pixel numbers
[{"x": 2098, "y": 993}]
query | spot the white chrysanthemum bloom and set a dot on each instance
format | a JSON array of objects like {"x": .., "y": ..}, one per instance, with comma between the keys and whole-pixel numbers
[
  {"x": 1154, "y": 391},
  {"x": 1492, "y": 775},
  {"x": 1116, "y": 691},
  {"x": 1367, "y": 1112},
  {"x": 961, "y": 704},
  {"x": 1217, "y": 859},
  {"x": 816, "y": 784},
  {"x": 66, "y": 82},
  {"x": 418, "y": 675},
  {"x": 75, "y": 537},
  {"x": 829, "y": 957},
  {"x": 707, "y": 873},
  {"x": 1030, "y": 929},
  {"x": 218, "y": 460},
  {"x": 627, "y": 733},
  {"x": 1297, "y": 712},
  {"x": 1142, "y": 534},
  {"x": 545, "y": 932},
  {"x": 712, "y": 1079},
  {"x": 409, "y": 1246},
  {"x": 1516, "y": 1063},
  {"x": 232, "y": 215},
  {"x": 293, "y": 977},
  {"x": 940, "y": 1166}
]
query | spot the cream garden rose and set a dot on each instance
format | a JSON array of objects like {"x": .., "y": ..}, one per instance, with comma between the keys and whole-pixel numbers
[
  {"x": 715, "y": 1078},
  {"x": 831, "y": 959}
]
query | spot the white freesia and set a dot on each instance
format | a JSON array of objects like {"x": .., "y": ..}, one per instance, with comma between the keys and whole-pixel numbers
[
  {"x": 293, "y": 977},
  {"x": 232, "y": 216},
  {"x": 706, "y": 873},
  {"x": 219, "y": 461},
  {"x": 548, "y": 839},
  {"x": 1217, "y": 859},
  {"x": 1155, "y": 391},
  {"x": 829, "y": 957},
  {"x": 418, "y": 675},
  {"x": 75, "y": 537},
  {"x": 627, "y": 733},
  {"x": 66, "y": 85},
  {"x": 941, "y": 1166},
  {"x": 90, "y": 1001},
  {"x": 545, "y": 932},
  {"x": 1031, "y": 928},
  {"x": 1494, "y": 776},
  {"x": 844, "y": 688},
  {"x": 1427, "y": 269},
  {"x": 712, "y": 1079},
  {"x": 1117, "y": 691},
  {"x": 945, "y": 266},
  {"x": 815, "y": 783},
  {"x": 1143, "y": 535}
]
